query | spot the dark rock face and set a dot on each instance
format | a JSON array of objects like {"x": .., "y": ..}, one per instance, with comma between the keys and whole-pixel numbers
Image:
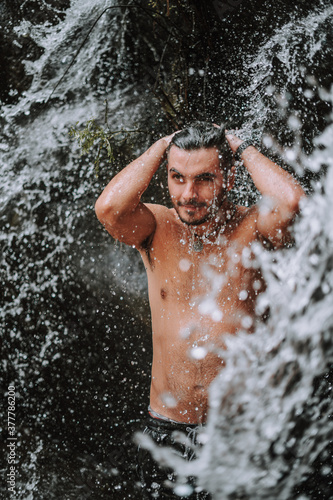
[
  {"x": 14, "y": 48},
  {"x": 13, "y": 77}
]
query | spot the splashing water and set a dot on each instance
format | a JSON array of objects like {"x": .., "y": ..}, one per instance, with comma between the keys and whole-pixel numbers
[
  {"x": 276, "y": 410},
  {"x": 293, "y": 50}
]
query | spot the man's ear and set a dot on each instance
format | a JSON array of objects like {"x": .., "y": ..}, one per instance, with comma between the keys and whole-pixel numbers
[{"x": 231, "y": 178}]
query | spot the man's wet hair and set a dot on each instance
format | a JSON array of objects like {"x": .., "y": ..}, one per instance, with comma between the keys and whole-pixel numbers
[{"x": 198, "y": 135}]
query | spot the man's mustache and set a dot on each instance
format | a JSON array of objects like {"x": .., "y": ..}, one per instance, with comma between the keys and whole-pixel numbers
[{"x": 194, "y": 203}]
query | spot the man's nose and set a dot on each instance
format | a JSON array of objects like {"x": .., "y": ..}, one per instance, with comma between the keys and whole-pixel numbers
[{"x": 190, "y": 191}]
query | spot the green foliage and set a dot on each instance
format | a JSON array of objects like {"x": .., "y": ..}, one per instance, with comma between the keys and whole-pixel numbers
[{"x": 94, "y": 136}]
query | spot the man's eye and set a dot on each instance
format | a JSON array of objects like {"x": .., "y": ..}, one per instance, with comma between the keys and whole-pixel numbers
[
  {"x": 178, "y": 177},
  {"x": 206, "y": 178}
]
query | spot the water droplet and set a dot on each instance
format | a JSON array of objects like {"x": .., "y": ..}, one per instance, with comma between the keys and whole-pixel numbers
[
  {"x": 168, "y": 399},
  {"x": 183, "y": 490},
  {"x": 256, "y": 285},
  {"x": 184, "y": 265},
  {"x": 247, "y": 322},
  {"x": 198, "y": 352},
  {"x": 294, "y": 123}
]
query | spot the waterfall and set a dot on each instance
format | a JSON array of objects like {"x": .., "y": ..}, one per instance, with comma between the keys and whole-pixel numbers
[{"x": 74, "y": 304}]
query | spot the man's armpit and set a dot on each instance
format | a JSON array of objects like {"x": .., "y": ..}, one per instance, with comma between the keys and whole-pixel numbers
[
  {"x": 266, "y": 243},
  {"x": 146, "y": 247},
  {"x": 286, "y": 241}
]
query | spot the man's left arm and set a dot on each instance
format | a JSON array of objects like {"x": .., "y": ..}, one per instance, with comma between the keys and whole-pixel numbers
[{"x": 281, "y": 192}]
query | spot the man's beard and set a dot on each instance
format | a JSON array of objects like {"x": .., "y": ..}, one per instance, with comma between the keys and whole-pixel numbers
[
  {"x": 195, "y": 222},
  {"x": 211, "y": 212}
]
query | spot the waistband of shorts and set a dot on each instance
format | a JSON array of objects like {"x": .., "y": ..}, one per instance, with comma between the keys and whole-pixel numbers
[{"x": 158, "y": 420}]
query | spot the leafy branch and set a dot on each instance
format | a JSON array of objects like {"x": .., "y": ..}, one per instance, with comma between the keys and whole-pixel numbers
[{"x": 94, "y": 136}]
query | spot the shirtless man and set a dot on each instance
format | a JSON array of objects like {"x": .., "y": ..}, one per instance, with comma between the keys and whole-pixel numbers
[{"x": 202, "y": 278}]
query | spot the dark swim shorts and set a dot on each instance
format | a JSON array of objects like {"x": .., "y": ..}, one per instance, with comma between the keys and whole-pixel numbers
[{"x": 157, "y": 482}]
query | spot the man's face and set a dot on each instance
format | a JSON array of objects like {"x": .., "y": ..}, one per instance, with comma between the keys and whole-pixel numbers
[{"x": 196, "y": 182}]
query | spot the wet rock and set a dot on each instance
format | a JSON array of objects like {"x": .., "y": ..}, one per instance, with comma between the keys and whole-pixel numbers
[{"x": 15, "y": 48}]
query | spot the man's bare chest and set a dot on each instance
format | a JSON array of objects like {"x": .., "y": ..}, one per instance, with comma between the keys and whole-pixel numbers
[{"x": 181, "y": 273}]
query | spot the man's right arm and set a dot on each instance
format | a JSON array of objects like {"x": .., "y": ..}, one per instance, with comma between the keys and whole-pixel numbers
[{"x": 119, "y": 207}]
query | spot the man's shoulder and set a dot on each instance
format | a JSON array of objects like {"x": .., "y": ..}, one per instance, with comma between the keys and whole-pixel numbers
[
  {"x": 244, "y": 213},
  {"x": 165, "y": 220},
  {"x": 252, "y": 209},
  {"x": 247, "y": 223},
  {"x": 244, "y": 222},
  {"x": 161, "y": 212}
]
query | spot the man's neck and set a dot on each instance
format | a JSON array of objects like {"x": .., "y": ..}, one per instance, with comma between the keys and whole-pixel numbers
[{"x": 216, "y": 222}]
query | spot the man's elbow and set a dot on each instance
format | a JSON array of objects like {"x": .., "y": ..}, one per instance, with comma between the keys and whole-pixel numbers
[
  {"x": 100, "y": 209},
  {"x": 105, "y": 212},
  {"x": 294, "y": 199}
]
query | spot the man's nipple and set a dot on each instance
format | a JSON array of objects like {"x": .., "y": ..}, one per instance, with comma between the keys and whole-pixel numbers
[{"x": 163, "y": 293}]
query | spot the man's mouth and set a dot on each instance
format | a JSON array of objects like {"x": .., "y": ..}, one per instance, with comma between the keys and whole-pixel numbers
[
  {"x": 191, "y": 208},
  {"x": 192, "y": 205}
]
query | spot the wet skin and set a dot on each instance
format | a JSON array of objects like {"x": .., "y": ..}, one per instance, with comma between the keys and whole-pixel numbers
[{"x": 197, "y": 298}]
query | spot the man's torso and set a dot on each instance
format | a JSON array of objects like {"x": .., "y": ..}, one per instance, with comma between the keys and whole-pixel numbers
[{"x": 196, "y": 299}]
